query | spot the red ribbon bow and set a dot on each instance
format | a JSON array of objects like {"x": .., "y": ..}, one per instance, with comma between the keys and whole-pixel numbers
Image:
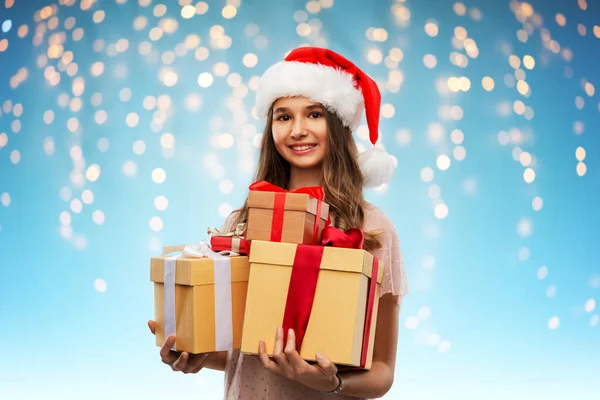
[
  {"x": 278, "y": 207},
  {"x": 353, "y": 238},
  {"x": 263, "y": 186}
]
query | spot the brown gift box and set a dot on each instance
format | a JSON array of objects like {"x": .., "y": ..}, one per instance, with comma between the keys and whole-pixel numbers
[
  {"x": 299, "y": 215},
  {"x": 195, "y": 301},
  {"x": 337, "y": 318}
]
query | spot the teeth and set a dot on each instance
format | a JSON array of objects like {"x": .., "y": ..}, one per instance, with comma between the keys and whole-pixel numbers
[{"x": 300, "y": 148}]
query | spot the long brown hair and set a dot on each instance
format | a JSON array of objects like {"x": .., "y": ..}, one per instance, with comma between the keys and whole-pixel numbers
[{"x": 342, "y": 178}]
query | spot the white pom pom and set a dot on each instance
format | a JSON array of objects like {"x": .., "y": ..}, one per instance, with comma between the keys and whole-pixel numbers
[{"x": 377, "y": 167}]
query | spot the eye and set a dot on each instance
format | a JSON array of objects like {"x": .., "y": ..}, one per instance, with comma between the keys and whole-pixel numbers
[
  {"x": 316, "y": 115},
  {"x": 283, "y": 117}
]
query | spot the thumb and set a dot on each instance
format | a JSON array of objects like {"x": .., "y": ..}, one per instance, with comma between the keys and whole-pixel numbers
[
  {"x": 327, "y": 367},
  {"x": 152, "y": 326}
]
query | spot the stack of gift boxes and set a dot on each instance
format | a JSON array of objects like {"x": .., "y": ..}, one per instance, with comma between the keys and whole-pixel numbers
[{"x": 294, "y": 270}]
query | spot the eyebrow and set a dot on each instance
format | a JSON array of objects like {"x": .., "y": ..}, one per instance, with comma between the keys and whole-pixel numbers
[{"x": 285, "y": 109}]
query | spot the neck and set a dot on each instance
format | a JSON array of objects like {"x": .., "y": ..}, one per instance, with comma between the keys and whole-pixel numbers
[{"x": 302, "y": 177}]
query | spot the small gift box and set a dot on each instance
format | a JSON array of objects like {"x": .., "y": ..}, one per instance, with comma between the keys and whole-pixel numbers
[
  {"x": 328, "y": 295},
  {"x": 229, "y": 241},
  {"x": 200, "y": 297},
  {"x": 279, "y": 215}
]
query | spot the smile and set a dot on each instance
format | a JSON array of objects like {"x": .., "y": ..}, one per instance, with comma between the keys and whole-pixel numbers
[{"x": 303, "y": 147}]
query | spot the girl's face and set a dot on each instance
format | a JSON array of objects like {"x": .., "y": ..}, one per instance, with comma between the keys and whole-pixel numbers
[{"x": 300, "y": 131}]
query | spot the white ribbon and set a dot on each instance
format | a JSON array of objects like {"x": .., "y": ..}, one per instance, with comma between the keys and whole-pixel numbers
[{"x": 222, "y": 284}]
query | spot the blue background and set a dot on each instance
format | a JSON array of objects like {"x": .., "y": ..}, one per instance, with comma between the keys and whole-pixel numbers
[{"x": 477, "y": 322}]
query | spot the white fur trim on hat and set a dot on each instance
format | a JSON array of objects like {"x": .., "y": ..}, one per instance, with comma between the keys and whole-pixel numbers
[
  {"x": 377, "y": 167},
  {"x": 331, "y": 87}
]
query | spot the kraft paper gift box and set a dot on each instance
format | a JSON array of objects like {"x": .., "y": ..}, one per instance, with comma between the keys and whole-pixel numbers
[
  {"x": 278, "y": 215},
  {"x": 199, "y": 299},
  {"x": 343, "y": 313}
]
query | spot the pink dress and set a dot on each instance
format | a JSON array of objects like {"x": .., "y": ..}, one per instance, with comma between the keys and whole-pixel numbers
[{"x": 247, "y": 379}]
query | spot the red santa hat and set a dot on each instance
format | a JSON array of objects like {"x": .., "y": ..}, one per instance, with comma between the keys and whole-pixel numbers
[{"x": 326, "y": 77}]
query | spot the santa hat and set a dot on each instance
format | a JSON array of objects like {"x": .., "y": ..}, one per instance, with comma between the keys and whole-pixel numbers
[{"x": 326, "y": 77}]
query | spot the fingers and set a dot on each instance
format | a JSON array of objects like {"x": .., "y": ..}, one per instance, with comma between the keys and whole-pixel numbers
[
  {"x": 152, "y": 326},
  {"x": 181, "y": 363},
  {"x": 325, "y": 365},
  {"x": 278, "y": 354},
  {"x": 292, "y": 355},
  {"x": 264, "y": 358},
  {"x": 168, "y": 356}
]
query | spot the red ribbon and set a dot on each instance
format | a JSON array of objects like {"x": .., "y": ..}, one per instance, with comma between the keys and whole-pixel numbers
[
  {"x": 303, "y": 284},
  {"x": 301, "y": 291},
  {"x": 278, "y": 206}
]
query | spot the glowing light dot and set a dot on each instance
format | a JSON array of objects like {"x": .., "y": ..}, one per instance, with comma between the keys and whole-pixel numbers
[
  {"x": 589, "y": 89},
  {"x": 459, "y": 153},
  {"x": 6, "y": 25},
  {"x": 542, "y": 272},
  {"x": 430, "y": 61},
  {"x": 561, "y": 20},
  {"x": 528, "y": 62},
  {"x": 427, "y": 174},
  {"x": 98, "y": 217},
  {"x": 5, "y": 199},
  {"x": 374, "y": 56},
  {"x": 156, "y": 224},
  {"x": 65, "y": 218},
  {"x": 431, "y": 28},
  {"x": 229, "y": 12},
  {"x": 100, "y": 285},
  {"x": 580, "y": 153},
  {"x": 15, "y": 156},
  {"x": 225, "y": 209},
  {"x": 579, "y": 102},
  {"x": 103, "y": 144},
  {"x": 48, "y": 145},
  {"x": 553, "y": 323},
  {"x": 411, "y": 322},
  {"x": 225, "y": 140},
  {"x": 250, "y": 60},
  {"x": 132, "y": 119},
  {"x": 129, "y": 168},
  {"x": 159, "y": 175},
  {"x": 441, "y": 211},
  {"x": 87, "y": 196},
  {"x": 170, "y": 78},
  {"x": 523, "y": 253},
  {"x": 205, "y": 80},
  {"x": 581, "y": 169},
  {"x": 529, "y": 175},
  {"x": 93, "y": 173},
  {"x": 98, "y": 16},
  {"x": 139, "y": 147},
  {"x": 524, "y": 227},
  {"x": 388, "y": 110},
  {"x": 443, "y": 162},
  {"x": 590, "y": 305},
  {"x": 487, "y": 83},
  {"x": 403, "y": 137},
  {"x": 161, "y": 203},
  {"x": 537, "y": 203},
  {"x": 76, "y": 206},
  {"x": 428, "y": 262},
  {"x": 167, "y": 140},
  {"x": 188, "y": 11}
]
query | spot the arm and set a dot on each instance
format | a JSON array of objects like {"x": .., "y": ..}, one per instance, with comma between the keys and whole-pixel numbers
[
  {"x": 216, "y": 361},
  {"x": 378, "y": 380}
]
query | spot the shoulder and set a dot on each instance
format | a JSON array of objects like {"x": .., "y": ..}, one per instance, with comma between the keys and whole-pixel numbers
[{"x": 376, "y": 219}]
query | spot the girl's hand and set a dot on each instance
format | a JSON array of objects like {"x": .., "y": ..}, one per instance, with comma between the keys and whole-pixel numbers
[
  {"x": 179, "y": 361},
  {"x": 320, "y": 376}
]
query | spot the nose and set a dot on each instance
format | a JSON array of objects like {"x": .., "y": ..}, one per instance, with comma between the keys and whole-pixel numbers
[{"x": 298, "y": 129}]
